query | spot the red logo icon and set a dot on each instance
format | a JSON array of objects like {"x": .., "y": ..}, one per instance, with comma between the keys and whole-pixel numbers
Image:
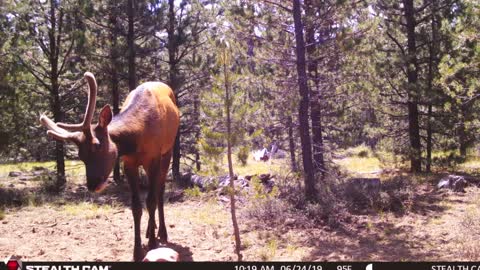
[{"x": 13, "y": 265}]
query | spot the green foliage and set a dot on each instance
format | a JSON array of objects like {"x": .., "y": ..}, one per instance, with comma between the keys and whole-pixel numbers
[
  {"x": 259, "y": 191},
  {"x": 242, "y": 155},
  {"x": 193, "y": 192}
]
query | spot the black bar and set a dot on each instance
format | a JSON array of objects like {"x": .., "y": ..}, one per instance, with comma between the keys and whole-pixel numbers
[{"x": 30, "y": 265}]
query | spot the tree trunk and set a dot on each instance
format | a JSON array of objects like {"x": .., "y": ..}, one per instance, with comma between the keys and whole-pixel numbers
[
  {"x": 304, "y": 128},
  {"x": 428, "y": 167},
  {"x": 172, "y": 61},
  {"x": 462, "y": 134},
  {"x": 291, "y": 144},
  {"x": 55, "y": 87},
  {"x": 432, "y": 64},
  {"x": 315, "y": 106},
  {"x": 236, "y": 231},
  {"x": 132, "y": 80},
  {"x": 196, "y": 113},
  {"x": 59, "y": 146},
  {"x": 114, "y": 76},
  {"x": 412, "y": 74}
]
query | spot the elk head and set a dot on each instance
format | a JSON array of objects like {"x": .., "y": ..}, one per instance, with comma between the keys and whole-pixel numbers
[{"x": 95, "y": 148}]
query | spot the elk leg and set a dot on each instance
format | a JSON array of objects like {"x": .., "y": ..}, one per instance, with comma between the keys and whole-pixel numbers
[
  {"x": 153, "y": 178},
  {"x": 164, "y": 164},
  {"x": 133, "y": 180}
]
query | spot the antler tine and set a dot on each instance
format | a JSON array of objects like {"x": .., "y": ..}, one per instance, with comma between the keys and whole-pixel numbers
[
  {"x": 92, "y": 97},
  {"x": 54, "y": 130}
]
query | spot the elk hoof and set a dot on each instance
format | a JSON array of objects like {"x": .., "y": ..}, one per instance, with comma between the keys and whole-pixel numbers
[
  {"x": 152, "y": 243},
  {"x": 138, "y": 254}
]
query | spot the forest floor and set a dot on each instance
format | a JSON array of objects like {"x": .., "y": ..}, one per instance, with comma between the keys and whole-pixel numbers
[{"x": 77, "y": 225}]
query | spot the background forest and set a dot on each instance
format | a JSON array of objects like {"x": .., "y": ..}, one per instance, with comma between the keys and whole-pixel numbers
[
  {"x": 397, "y": 79},
  {"x": 400, "y": 77}
]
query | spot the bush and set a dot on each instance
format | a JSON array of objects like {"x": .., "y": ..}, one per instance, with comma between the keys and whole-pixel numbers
[
  {"x": 242, "y": 155},
  {"x": 361, "y": 151}
]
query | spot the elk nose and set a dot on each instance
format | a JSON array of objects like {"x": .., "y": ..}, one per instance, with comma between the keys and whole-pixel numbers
[{"x": 92, "y": 185}]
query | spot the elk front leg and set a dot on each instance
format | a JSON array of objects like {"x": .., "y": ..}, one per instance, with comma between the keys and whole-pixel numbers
[
  {"x": 133, "y": 181},
  {"x": 164, "y": 164}
]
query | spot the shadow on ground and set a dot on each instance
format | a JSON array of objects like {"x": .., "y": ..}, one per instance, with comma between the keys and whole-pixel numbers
[{"x": 380, "y": 238}]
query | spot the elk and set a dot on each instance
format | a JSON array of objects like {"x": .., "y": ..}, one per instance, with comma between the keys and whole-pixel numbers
[{"x": 142, "y": 134}]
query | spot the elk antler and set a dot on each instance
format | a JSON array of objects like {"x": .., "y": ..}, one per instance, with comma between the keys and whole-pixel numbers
[
  {"x": 85, "y": 126},
  {"x": 57, "y": 132},
  {"x": 63, "y": 131}
]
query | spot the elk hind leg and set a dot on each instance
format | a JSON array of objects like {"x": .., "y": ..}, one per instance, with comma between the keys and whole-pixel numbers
[
  {"x": 152, "y": 199},
  {"x": 164, "y": 165}
]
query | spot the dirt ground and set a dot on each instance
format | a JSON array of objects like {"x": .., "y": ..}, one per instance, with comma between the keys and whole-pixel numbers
[{"x": 80, "y": 226}]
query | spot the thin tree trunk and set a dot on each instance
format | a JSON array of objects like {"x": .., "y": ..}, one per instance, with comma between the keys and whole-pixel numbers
[
  {"x": 291, "y": 144},
  {"x": 196, "y": 113},
  {"x": 428, "y": 167},
  {"x": 173, "y": 81},
  {"x": 236, "y": 231},
  {"x": 55, "y": 87},
  {"x": 462, "y": 134},
  {"x": 315, "y": 106},
  {"x": 412, "y": 74},
  {"x": 114, "y": 76},
  {"x": 132, "y": 79},
  {"x": 304, "y": 128},
  {"x": 431, "y": 70}
]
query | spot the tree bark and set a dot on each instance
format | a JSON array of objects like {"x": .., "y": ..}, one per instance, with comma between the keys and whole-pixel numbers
[
  {"x": 236, "y": 230},
  {"x": 173, "y": 81},
  {"x": 315, "y": 106},
  {"x": 196, "y": 113},
  {"x": 55, "y": 88},
  {"x": 412, "y": 75},
  {"x": 132, "y": 79},
  {"x": 432, "y": 63},
  {"x": 304, "y": 128},
  {"x": 462, "y": 134},
  {"x": 114, "y": 75},
  {"x": 291, "y": 144}
]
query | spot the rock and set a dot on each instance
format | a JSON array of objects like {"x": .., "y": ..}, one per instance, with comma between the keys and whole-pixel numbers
[
  {"x": 269, "y": 184},
  {"x": 203, "y": 182},
  {"x": 241, "y": 182},
  {"x": 264, "y": 177},
  {"x": 456, "y": 183},
  {"x": 224, "y": 181},
  {"x": 14, "y": 174},
  {"x": 175, "y": 196},
  {"x": 279, "y": 154},
  {"x": 363, "y": 190},
  {"x": 289, "y": 222}
]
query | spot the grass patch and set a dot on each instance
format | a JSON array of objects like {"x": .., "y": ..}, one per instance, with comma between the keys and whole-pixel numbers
[
  {"x": 2, "y": 214},
  {"x": 87, "y": 209},
  {"x": 268, "y": 252},
  {"x": 72, "y": 167},
  {"x": 193, "y": 192},
  {"x": 359, "y": 165}
]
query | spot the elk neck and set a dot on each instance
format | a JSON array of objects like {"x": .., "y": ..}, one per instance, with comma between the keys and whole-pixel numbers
[{"x": 123, "y": 134}]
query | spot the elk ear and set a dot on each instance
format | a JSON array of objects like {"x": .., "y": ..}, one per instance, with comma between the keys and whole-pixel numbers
[{"x": 106, "y": 116}]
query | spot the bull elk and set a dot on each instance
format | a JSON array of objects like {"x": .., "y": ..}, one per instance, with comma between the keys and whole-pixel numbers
[{"x": 142, "y": 134}]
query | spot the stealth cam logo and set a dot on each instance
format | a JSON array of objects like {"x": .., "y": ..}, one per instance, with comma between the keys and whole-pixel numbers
[{"x": 12, "y": 264}]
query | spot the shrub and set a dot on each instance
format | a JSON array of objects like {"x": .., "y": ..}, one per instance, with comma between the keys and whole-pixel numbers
[{"x": 242, "y": 155}]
